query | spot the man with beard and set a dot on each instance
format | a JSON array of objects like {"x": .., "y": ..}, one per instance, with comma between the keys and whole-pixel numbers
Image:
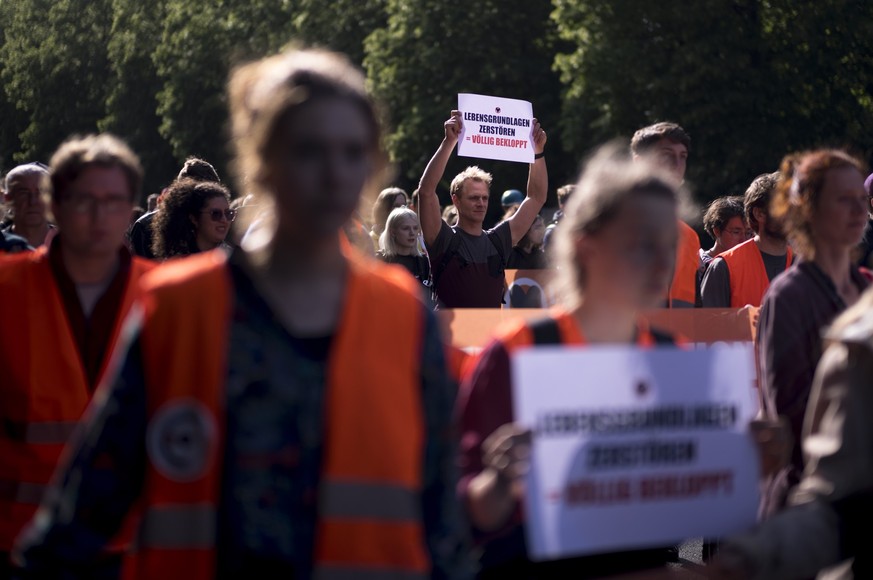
[{"x": 740, "y": 276}]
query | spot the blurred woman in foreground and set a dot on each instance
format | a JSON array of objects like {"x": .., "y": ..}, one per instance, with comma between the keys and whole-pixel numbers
[
  {"x": 822, "y": 199},
  {"x": 615, "y": 250},
  {"x": 257, "y": 420}
]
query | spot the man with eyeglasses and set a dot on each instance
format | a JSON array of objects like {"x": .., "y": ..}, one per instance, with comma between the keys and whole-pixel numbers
[
  {"x": 62, "y": 311},
  {"x": 29, "y": 219}
]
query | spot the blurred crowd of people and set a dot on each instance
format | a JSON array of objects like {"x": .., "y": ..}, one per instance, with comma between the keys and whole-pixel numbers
[{"x": 217, "y": 388}]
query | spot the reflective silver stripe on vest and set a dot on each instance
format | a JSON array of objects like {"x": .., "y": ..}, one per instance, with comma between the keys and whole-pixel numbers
[
  {"x": 329, "y": 572},
  {"x": 178, "y": 527},
  {"x": 49, "y": 432},
  {"x": 369, "y": 501},
  {"x": 43, "y": 433},
  {"x": 21, "y": 491}
]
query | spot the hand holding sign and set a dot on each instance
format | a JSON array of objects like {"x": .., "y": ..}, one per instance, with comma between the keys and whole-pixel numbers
[
  {"x": 453, "y": 127},
  {"x": 539, "y": 137},
  {"x": 507, "y": 452}
]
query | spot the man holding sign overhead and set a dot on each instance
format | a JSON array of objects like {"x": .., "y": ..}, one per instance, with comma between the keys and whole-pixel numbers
[{"x": 469, "y": 262}]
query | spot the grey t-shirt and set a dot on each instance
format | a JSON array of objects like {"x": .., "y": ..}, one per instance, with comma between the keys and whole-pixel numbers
[{"x": 473, "y": 276}]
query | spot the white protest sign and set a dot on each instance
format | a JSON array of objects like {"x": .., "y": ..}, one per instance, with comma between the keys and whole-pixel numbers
[
  {"x": 495, "y": 128},
  {"x": 635, "y": 448}
]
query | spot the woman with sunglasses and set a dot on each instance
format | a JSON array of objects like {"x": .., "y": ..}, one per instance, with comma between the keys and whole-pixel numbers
[{"x": 195, "y": 217}]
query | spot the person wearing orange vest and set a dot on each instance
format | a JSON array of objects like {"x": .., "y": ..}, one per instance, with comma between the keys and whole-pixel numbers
[
  {"x": 62, "y": 311},
  {"x": 667, "y": 145},
  {"x": 608, "y": 279},
  {"x": 740, "y": 276},
  {"x": 285, "y": 411}
]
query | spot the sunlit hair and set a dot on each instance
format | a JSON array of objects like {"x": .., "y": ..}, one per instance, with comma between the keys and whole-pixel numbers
[
  {"x": 472, "y": 173},
  {"x": 384, "y": 205},
  {"x": 608, "y": 180},
  {"x": 721, "y": 211},
  {"x": 798, "y": 192},
  {"x": 264, "y": 96},
  {"x": 647, "y": 137},
  {"x": 564, "y": 193},
  {"x": 386, "y": 241},
  {"x": 198, "y": 170},
  {"x": 105, "y": 151},
  {"x": 450, "y": 215},
  {"x": 525, "y": 240},
  {"x": 26, "y": 169},
  {"x": 173, "y": 232},
  {"x": 758, "y": 195}
]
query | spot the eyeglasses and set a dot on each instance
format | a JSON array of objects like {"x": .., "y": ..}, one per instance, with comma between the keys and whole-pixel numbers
[
  {"x": 216, "y": 214},
  {"x": 89, "y": 203}
]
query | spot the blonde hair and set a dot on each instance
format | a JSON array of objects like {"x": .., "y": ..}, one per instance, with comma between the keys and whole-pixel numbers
[
  {"x": 265, "y": 93},
  {"x": 608, "y": 180},
  {"x": 386, "y": 241},
  {"x": 384, "y": 205},
  {"x": 472, "y": 173}
]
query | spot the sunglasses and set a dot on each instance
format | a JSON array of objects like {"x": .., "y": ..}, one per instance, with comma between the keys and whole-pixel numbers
[{"x": 216, "y": 214}]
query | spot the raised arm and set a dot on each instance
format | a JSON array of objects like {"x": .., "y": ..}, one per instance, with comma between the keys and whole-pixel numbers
[
  {"x": 429, "y": 204},
  {"x": 537, "y": 188}
]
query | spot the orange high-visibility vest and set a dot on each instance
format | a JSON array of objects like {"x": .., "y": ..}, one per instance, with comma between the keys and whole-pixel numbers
[
  {"x": 369, "y": 495},
  {"x": 517, "y": 334},
  {"x": 44, "y": 388},
  {"x": 748, "y": 276},
  {"x": 683, "y": 288}
]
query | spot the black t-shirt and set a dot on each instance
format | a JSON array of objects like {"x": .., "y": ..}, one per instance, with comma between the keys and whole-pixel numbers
[
  {"x": 715, "y": 290},
  {"x": 141, "y": 236},
  {"x": 419, "y": 267},
  {"x": 521, "y": 260},
  {"x": 469, "y": 271}
]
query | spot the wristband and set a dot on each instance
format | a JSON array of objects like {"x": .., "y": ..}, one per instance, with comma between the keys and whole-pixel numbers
[{"x": 539, "y": 155}]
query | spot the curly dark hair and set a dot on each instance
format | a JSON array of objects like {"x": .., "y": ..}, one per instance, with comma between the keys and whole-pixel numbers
[
  {"x": 721, "y": 211},
  {"x": 172, "y": 231},
  {"x": 758, "y": 196}
]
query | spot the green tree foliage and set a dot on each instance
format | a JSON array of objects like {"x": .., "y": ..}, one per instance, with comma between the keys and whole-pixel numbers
[
  {"x": 429, "y": 52},
  {"x": 14, "y": 121},
  {"x": 55, "y": 69},
  {"x": 200, "y": 42},
  {"x": 750, "y": 80},
  {"x": 341, "y": 25},
  {"x": 131, "y": 100}
]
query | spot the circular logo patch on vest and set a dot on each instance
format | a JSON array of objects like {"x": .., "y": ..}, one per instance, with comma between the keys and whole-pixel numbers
[{"x": 180, "y": 439}]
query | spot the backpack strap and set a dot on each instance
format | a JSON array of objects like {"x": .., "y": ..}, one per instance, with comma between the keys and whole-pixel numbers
[
  {"x": 545, "y": 332},
  {"x": 495, "y": 241},
  {"x": 448, "y": 255}
]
